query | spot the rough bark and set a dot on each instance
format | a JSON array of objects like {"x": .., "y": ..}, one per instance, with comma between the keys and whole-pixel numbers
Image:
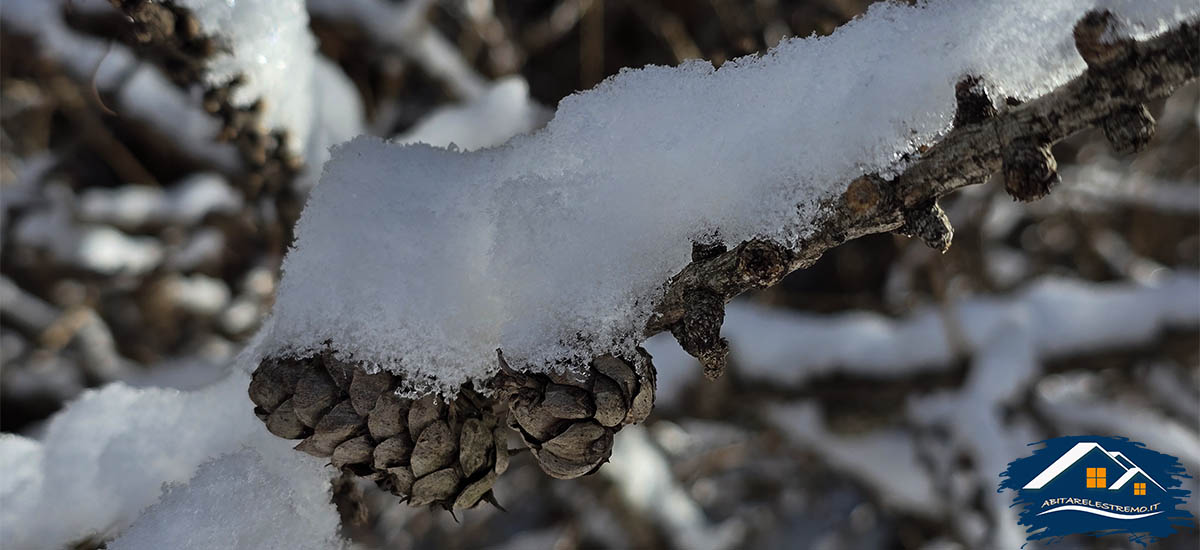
[{"x": 1111, "y": 94}]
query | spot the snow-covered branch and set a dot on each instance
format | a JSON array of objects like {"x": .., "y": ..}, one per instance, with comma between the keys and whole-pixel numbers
[
  {"x": 278, "y": 101},
  {"x": 556, "y": 246},
  {"x": 1121, "y": 76}
]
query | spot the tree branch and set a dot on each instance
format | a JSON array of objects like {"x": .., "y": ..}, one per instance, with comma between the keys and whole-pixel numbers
[{"x": 1122, "y": 75}]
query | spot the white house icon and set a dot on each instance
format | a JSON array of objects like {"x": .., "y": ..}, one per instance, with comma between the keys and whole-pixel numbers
[{"x": 1080, "y": 450}]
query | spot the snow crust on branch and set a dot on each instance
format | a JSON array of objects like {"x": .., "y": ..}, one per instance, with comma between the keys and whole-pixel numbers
[{"x": 554, "y": 247}]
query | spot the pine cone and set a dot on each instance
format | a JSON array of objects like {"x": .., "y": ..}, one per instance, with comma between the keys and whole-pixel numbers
[
  {"x": 449, "y": 454},
  {"x": 427, "y": 451},
  {"x": 569, "y": 420}
]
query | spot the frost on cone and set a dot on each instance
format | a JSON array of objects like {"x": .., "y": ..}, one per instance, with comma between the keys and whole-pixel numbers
[
  {"x": 568, "y": 420},
  {"x": 449, "y": 454},
  {"x": 427, "y": 451}
]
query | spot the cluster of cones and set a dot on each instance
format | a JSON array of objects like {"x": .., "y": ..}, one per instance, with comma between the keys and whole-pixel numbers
[{"x": 449, "y": 452}]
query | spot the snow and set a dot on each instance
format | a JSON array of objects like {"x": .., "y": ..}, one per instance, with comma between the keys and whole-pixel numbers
[
  {"x": 504, "y": 111},
  {"x": 186, "y": 202},
  {"x": 644, "y": 479},
  {"x": 1060, "y": 399},
  {"x": 197, "y": 294},
  {"x": 240, "y": 316},
  {"x": 186, "y": 373},
  {"x": 19, "y": 460},
  {"x": 242, "y": 500},
  {"x": 109, "y": 251},
  {"x": 405, "y": 27},
  {"x": 149, "y": 96},
  {"x": 885, "y": 459},
  {"x": 555, "y": 246},
  {"x": 142, "y": 92},
  {"x": 1099, "y": 184},
  {"x": 1008, "y": 338},
  {"x": 337, "y": 115},
  {"x": 270, "y": 45},
  {"x": 98, "y": 248},
  {"x": 271, "y": 48},
  {"x": 204, "y": 245},
  {"x": 790, "y": 348},
  {"x": 1172, "y": 392},
  {"x": 1004, "y": 366},
  {"x": 105, "y": 458}
]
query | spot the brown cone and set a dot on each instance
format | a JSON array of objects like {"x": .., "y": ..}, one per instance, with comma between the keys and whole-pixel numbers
[
  {"x": 568, "y": 420},
  {"x": 449, "y": 454},
  {"x": 427, "y": 451}
]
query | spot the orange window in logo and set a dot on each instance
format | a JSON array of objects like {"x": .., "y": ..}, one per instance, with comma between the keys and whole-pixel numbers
[
  {"x": 1139, "y": 488},
  {"x": 1096, "y": 478}
]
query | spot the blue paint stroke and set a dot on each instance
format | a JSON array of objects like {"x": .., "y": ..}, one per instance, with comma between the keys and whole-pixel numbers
[{"x": 1134, "y": 491}]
